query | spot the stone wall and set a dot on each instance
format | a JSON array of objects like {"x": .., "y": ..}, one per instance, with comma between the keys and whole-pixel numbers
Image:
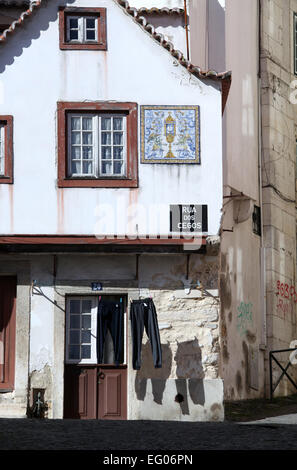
[{"x": 278, "y": 177}]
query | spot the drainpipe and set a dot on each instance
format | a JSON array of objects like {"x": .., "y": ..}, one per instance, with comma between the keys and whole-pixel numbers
[{"x": 263, "y": 344}]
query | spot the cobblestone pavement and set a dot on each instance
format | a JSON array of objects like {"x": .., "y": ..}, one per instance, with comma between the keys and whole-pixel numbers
[{"x": 35, "y": 434}]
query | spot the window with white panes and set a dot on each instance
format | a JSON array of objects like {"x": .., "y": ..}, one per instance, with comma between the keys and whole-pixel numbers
[
  {"x": 81, "y": 326},
  {"x": 82, "y": 334},
  {"x": 2, "y": 150},
  {"x": 97, "y": 145},
  {"x": 82, "y": 29}
]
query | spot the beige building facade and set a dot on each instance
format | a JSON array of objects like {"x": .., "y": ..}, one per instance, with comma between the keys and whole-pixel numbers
[{"x": 258, "y": 264}]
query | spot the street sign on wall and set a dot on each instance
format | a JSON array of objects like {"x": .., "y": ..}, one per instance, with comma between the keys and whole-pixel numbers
[{"x": 188, "y": 218}]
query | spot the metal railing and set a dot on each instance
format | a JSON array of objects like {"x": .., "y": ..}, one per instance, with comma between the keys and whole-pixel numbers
[{"x": 284, "y": 370}]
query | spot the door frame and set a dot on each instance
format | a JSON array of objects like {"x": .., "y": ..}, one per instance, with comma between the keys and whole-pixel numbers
[{"x": 122, "y": 367}]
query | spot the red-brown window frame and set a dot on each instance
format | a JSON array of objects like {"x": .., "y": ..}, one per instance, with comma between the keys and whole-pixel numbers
[
  {"x": 100, "y": 13},
  {"x": 7, "y": 121},
  {"x": 7, "y": 384},
  {"x": 131, "y": 178}
]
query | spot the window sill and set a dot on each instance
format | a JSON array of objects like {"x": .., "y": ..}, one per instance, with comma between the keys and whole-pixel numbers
[
  {"x": 97, "y": 183},
  {"x": 6, "y": 180},
  {"x": 83, "y": 46}
]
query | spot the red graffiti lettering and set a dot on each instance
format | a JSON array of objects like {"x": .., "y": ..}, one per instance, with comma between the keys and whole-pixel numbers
[
  {"x": 283, "y": 307},
  {"x": 286, "y": 291}
]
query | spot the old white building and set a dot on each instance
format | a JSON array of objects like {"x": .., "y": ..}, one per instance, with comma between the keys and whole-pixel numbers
[{"x": 111, "y": 188}]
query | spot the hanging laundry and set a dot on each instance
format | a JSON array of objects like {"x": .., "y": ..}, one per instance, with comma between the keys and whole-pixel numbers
[
  {"x": 143, "y": 315},
  {"x": 110, "y": 317}
]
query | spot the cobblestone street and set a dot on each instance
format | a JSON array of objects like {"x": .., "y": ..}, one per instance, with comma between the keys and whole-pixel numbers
[{"x": 33, "y": 434}]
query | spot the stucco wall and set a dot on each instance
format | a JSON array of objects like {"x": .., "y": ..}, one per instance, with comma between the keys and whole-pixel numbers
[
  {"x": 134, "y": 68},
  {"x": 188, "y": 324},
  {"x": 14, "y": 404}
]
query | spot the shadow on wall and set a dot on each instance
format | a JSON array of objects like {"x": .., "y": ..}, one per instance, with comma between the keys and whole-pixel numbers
[
  {"x": 189, "y": 372},
  {"x": 30, "y": 30}
]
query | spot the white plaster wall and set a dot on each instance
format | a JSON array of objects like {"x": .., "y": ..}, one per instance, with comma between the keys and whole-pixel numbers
[
  {"x": 35, "y": 74},
  {"x": 188, "y": 326},
  {"x": 42, "y": 315},
  {"x": 157, "y": 3}
]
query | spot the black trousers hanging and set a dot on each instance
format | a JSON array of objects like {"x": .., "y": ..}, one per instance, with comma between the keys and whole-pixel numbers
[
  {"x": 110, "y": 317},
  {"x": 143, "y": 315}
]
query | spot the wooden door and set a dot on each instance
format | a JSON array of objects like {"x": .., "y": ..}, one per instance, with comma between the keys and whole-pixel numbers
[
  {"x": 7, "y": 331},
  {"x": 112, "y": 393},
  {"x": 80, "y": 388},
  {"x": 91, "y": 390}
]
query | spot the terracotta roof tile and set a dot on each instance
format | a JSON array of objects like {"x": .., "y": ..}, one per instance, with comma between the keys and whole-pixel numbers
[
  {"x": 20, "y": 20},
  {"x": 225, "y": 77}
]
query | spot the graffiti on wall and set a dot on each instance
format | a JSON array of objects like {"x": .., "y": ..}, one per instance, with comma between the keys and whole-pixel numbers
[
  {"x": 244, "y": 317},
  {"x": 286, "y": 291},
  {"x": 287, "y": 295}
]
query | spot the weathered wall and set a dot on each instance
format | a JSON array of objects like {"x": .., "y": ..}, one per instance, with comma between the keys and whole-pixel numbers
[
  {"x": 278, "y": 173},
  {"x": 14, "y": 404},
  {"x": 242, "y": 322},
  {"x": 242, "y": 325},
  {"x": 188, "y": 322}
]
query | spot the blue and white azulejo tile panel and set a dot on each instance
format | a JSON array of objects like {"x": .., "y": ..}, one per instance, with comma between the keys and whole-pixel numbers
[{"x": 170, "y": 134}]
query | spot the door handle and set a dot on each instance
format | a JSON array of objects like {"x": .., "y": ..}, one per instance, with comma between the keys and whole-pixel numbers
[{"x": 101, "y": 376}]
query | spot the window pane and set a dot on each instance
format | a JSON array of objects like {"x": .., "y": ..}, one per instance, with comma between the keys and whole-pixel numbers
[
  {"x": 106, "y": 138},
  {"x": 118, "y": 153},
  {"x": 86, "y": 306},
  {"x": 87, "y": 153},
  {"x": 75, "y": 137},
  {"x": 118, "y": 138},
  {"x": 90, "y": 34},
  {"x": 106, "y": 152},
  {"x": 75, "y": 123},
  {"x": 86, "y": 337},
  {"x": 74, "y": 337},
  {"x": 106, "y": 124},
  {"x": 87, "y": 138},
  {"x": 74, "y": 306},
  {"x": 86, "y": 321},
  {"x": 74, "y": 321},
  {"x": 118, "y": 168},
  {"x": 75, "y": 153},
  {"x": 90, "y": 23},
  {"x": 73, "y": 35},
  {"x": 75, "y": 168},
  {"x": 117, "y": 124},
  {"x": 85, "y": 352},
  {"x": 87, "y": 123},
  {"x": 106, "y": 168},
  {"x": 73, "y": 22},
  {"x": 87, "y": 168},
  {"x": 74, "y": 352}
]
